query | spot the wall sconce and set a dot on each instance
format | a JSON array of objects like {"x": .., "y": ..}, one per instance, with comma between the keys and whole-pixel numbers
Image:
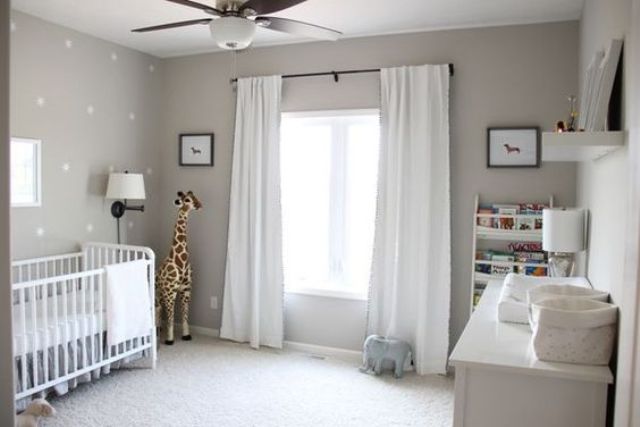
[
  {"x": 122, "y": 187},
  {"x": 562, "y": 236}
]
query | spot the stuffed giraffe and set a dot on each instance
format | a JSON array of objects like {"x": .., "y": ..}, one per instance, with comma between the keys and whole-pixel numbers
[{"x": 174, "y": 275}]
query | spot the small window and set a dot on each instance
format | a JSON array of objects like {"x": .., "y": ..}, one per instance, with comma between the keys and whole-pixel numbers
[
  {"x": 25, "y": 172},
  {"x": 329, "y": 170}
]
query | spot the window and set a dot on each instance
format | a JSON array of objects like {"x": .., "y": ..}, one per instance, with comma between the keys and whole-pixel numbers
[
  {"x": 25, "y": 172},
  {"x": 329, "y": 169}
]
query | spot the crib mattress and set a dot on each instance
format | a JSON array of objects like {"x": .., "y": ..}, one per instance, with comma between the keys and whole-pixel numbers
[{"x": 31, "y": 334}]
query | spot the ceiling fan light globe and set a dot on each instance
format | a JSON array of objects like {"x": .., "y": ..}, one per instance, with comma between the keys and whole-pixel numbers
[{"x": 232, "y": 32}]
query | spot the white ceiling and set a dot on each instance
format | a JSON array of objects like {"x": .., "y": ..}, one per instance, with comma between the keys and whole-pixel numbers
[{"x": 113, "y": 19}]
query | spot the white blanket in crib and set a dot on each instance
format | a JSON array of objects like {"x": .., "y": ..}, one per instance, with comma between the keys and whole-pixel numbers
[{"x": 128, "y": 302}]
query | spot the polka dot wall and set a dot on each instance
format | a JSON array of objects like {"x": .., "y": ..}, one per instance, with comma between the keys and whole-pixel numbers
[{"x": 96, "y": 108}]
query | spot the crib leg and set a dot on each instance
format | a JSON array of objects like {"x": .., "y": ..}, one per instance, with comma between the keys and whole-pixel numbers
[
  {"x": 170, "y": 309},
  {"x": 185, "y": 299}
]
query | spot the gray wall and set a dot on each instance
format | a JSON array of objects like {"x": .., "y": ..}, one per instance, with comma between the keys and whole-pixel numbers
[
  {"x": 73, "y": 72},
  {"x": 504, "y": 76},
  {"x": 6, "y": 351},
  {"x": 603, "y": 185}
]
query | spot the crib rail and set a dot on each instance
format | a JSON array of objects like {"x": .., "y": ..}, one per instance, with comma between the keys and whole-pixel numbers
[
  {"x": 39, "y": 268},
  {"x": 60, "y": 323}
]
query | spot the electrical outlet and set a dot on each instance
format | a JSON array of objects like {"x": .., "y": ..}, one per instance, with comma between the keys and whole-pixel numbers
[{"x": 214, "y": 303}]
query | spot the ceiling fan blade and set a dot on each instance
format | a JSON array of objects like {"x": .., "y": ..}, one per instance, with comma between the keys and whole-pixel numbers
[
  {"x": 297, "y": 28},
  {"x": 210, "y": 10},
  {"x": 265, "y": 7},
  {"x": 173, "y": 25}
]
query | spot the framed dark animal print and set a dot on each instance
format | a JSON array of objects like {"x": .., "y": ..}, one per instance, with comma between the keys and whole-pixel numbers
[
  {"x": 513, "y": 147},
  {"x": 196, "y": 149}
]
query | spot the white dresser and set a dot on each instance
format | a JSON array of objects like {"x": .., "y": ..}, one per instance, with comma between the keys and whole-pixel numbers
[{"x": 500, "y": 383}]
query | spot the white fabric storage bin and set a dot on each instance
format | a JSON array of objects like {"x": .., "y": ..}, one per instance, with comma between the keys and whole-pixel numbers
[
  {"x": 553, "y": 291},
  {"x": 573, "y": 330}
]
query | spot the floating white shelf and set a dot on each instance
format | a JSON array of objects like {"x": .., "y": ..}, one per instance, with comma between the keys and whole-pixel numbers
[{"x": 579, "y": 146}]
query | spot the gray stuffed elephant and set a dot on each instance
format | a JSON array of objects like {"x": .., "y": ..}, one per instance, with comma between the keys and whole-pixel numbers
[{"x": 378, "y": 349}]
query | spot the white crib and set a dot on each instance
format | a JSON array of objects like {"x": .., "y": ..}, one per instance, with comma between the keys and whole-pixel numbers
[{"x": 59, "y": 317}]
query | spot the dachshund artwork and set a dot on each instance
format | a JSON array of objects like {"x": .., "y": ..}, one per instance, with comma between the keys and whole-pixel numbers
[
  {"x": 511, "y": 149},
  {"x": 195, "y": 150}
]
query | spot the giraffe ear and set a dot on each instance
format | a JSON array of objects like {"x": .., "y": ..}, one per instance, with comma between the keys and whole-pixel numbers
[
  {"x": 190, "y": 192},
  {"x": 177, "y": 202}
]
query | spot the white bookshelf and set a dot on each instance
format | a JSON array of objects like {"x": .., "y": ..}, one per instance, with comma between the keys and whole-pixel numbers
[{"x": 490, "y": 238}]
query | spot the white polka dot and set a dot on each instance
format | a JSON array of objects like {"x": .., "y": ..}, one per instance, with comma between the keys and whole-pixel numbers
[
  {"x": 39, "y": 231},
  {"x": 149, "y": 171},
  {"x": 152, "y": 68},
  {"x": 13, "y": 26},
  {"x": 132, "y": 116},
  {"x": 130, "y": 225},
  {"x": 111, "y": 168},
  {"x": 40, "y": 101},
  {"x": 114, "y": 56},
  {"x": 89, "y": 228},
  {"x": 90, "y": 110},
  {"x": 68, "y": 43},
  {"x": 66, "y": 167}
]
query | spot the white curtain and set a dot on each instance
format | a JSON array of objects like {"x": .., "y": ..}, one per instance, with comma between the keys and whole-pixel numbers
[
  {"x": 411, "y": 268},
  {"x": 253, "y": 297}
]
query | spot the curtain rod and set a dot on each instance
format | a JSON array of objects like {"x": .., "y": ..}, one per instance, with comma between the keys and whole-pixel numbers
[{"x": 336, "y": 74}]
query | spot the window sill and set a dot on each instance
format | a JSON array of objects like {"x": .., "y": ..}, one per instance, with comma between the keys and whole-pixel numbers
[{"x": 327, "y": 293}]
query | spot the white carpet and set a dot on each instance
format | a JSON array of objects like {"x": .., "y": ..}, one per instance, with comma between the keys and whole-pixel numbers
[{"x": 208, "y": 382}]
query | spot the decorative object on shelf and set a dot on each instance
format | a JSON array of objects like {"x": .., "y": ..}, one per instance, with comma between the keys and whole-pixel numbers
[
  {"x": 598, "y": 87},
  {"x": 573, "y": 114},
  {"x": 377, "y": 350},
  {"x": 560, "y": 126},
  {"x": 174, "y": 273},
  {"x": 121, "y": 188},
  {"x": 513, "y": 147},
  {"x": 562, "y": 237},
  {"x": 196, "y": 149}
]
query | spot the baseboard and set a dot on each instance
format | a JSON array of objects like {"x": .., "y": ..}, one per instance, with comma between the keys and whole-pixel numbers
[
  {"x": 339, "y": 353},
  {"x": 208, "y": 332}
]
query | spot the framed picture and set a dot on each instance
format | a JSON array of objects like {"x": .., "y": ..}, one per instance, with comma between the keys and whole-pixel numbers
[
  {"x": 196, "y": 149},
  {"x": 514, "y": 147}
]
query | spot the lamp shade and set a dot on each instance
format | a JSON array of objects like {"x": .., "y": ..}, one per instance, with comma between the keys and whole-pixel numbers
[
  {"x": 126, "y": 186},
  {"x": 563, "y": 230},
  {"x": 232, "y": 32}
]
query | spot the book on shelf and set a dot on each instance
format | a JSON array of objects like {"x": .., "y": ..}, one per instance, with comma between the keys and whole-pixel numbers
[{"x": 514, "y": 216}]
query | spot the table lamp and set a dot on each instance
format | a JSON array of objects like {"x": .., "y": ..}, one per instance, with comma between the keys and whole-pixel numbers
[{"x": 562, "y": 236}]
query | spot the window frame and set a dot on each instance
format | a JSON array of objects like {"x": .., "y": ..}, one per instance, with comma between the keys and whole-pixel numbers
[
  {"x": 37, "y": 144},
  {"x": 311, "y": 290}
]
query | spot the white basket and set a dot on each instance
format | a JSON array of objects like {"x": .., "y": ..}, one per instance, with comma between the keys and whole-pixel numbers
[
  {"x": 573, "y": 330},
  {"x": 553, "y": 291}
]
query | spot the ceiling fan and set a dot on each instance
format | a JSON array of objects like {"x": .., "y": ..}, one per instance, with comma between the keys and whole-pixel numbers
[{"x": 233, "y": 22}]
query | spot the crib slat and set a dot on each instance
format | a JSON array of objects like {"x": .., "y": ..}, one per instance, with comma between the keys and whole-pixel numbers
[
  {"x": 34, "y": 334},
  {"x": 100, "y": 314},
  {"x": 65, "y": 310},
  {"x": 23, "y": 316},
  {"x": 74, "y": 303},
  {"x": 85, "y": 319},
  {"x": 56, "y": 322},
  {"x": 45, "y": 323},
  {"x": 92, "y": 297}
]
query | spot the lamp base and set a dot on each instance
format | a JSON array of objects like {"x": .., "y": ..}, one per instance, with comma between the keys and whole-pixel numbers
[
  {"x": 561, "y": 264},
  {"x": 117, "y": 209}
]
